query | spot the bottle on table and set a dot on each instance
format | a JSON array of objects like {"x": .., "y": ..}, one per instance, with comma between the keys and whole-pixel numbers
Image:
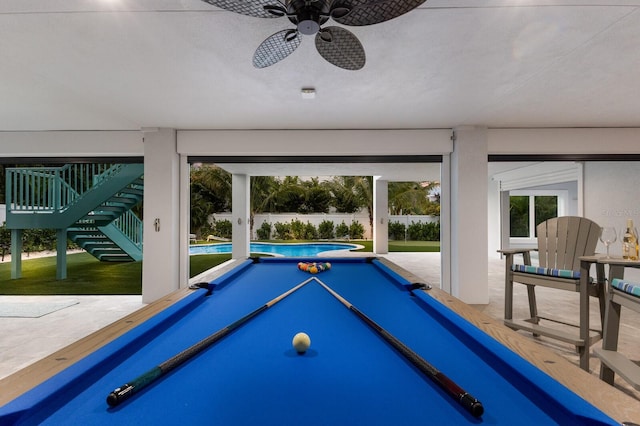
[{"x": 630, "y": 242}]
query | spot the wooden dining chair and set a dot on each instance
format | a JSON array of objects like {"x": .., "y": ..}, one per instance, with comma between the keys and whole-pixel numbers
[
  {"x": 561, "y": 243},
  {"x": 620, "y": 293}
]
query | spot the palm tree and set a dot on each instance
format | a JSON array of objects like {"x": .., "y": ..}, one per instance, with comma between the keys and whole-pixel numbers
[
  {"x": 289, "y": 194},
  {"x": 351, "y": 193},
  {"x": 317, "y": 196},
  {"x": 210, "y": 193},
  {"x": 408, "y": 198}
]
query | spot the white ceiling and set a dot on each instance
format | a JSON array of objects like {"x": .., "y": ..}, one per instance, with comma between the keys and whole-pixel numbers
[{"x": 128, "y": 64}]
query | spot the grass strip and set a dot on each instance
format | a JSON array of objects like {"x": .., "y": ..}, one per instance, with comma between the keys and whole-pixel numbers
[{"x": 87, "y": 276}]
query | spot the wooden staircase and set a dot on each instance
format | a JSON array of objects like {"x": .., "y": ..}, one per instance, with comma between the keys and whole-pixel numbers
[{"x": 92, "y": 202}]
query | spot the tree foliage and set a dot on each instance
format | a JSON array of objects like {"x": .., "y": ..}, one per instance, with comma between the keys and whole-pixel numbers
[{"x": 211, "y": 193}]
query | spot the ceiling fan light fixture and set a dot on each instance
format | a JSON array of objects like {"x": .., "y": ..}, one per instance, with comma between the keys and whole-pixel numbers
[
  {"x": 335, "y": 44},
  {"x": 308, "y": 27}
]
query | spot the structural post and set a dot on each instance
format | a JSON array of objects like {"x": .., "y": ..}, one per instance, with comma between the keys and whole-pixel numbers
[
  {"x": 445, "y": 223},
  {"x": 161, "y": 257},
  {"x": 380, "y": 216},
  {"x": 240, "y": 199},
  {"x": 16, "y": 254},
  {"x": 185, "y": 219},
  {"x": 61, "y": 254},
  {"x": 469, "y": 217}
]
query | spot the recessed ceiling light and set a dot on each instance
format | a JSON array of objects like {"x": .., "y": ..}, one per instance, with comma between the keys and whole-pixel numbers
[{"x": 308, "y": 93}]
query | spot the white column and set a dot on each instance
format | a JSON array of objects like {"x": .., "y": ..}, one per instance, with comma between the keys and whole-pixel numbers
[
  {"x": 185, "y": 219},
  {"x": 161, "y": 262},
  {"x": 380, "y": 216},
  {"x": 445, "y": 224},
  {"x": 469, "y": 217},
  {"x": 241, "y": 189},
  {"x": 494, "y": 218}
]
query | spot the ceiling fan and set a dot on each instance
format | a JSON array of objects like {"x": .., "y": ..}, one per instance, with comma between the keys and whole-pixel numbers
[{"x": 335, "y": 44}]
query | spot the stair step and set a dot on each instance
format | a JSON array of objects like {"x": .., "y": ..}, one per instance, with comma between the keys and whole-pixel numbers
[
  {"x": 133, "y": 191},
  {"x": 84, "y": 231},
  {"x": 89, "y": 246},
  {"x": 115, "y": 258},
  {"x": 124, "y": 197},
  {"x": 83, "y": 241},
  {"x": 99, "y": 214},
  {"x": 110, "y": 208},
  {"x": 106, "y": 250}
]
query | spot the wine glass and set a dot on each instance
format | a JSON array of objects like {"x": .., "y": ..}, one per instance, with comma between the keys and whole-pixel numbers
[{"x": 608, "y": 236}]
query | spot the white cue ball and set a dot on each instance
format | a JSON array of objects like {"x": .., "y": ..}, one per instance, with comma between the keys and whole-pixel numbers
[{"x": 301, "y": 342}]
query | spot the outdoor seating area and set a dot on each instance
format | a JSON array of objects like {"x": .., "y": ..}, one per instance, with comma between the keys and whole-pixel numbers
[{"x": 561, "y": 243}]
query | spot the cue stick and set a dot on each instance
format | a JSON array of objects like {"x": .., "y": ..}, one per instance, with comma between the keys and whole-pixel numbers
[
  {"x": 471, "y": 404},
  {"x": 125, "y": 391}
]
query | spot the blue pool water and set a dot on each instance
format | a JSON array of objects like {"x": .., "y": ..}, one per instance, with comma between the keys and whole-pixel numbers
[{"x": 289, "y": 250}]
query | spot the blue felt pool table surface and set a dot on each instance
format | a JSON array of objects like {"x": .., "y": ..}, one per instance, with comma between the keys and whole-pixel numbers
[{"x": 350, "y": 375}]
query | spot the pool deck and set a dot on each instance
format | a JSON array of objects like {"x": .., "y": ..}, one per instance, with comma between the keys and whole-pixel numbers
[{"x": 26, "y": 340}]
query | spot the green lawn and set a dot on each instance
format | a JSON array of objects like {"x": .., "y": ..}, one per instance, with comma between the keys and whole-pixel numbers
[
  {"x": 88, "y": 276},
  {"x": 419, "y": 246}
]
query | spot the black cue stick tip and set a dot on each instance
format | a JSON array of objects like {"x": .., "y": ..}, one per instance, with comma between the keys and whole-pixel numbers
[{"x": 120, "y": 394}]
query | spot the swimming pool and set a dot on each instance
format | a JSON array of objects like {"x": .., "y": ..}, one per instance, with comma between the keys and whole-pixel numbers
[{"x": 289, "y": 250}]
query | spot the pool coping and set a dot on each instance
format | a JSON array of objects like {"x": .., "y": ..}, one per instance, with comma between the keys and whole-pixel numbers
[{"x": 337, "y": 252}]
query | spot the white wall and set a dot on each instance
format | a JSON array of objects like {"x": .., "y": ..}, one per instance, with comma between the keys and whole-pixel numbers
[
  {"x": 3, "y": 213},
  {"x": 314, "y": 143},
  {"x": 612, "y": 195},
  {"x": 564, "y": 141},
  {"x": 317, "y": 218}
]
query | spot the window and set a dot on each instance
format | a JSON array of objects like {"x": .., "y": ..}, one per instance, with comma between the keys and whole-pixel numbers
[{"x": 529, "y": 208}]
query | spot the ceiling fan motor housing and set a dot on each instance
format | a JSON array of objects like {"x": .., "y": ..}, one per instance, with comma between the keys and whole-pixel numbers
[{"x": 308, "y": 15}]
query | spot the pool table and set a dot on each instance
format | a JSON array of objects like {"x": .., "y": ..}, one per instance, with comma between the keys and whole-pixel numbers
[{"x": 349, "y": 375}]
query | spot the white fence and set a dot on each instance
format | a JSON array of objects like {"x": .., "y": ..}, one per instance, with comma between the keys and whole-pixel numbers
[{"x": 337, "y": 218}]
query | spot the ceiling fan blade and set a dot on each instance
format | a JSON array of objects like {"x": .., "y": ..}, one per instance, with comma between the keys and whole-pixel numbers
[
  {"x": 340, "y": 47},
  {"x": 248, "y": 7},
  {"x": 369, "y": 12},
  {"x": 275, "y": 48}
]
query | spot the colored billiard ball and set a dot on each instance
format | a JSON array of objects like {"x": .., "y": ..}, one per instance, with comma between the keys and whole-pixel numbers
[{"x": 301, "y": 342}]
